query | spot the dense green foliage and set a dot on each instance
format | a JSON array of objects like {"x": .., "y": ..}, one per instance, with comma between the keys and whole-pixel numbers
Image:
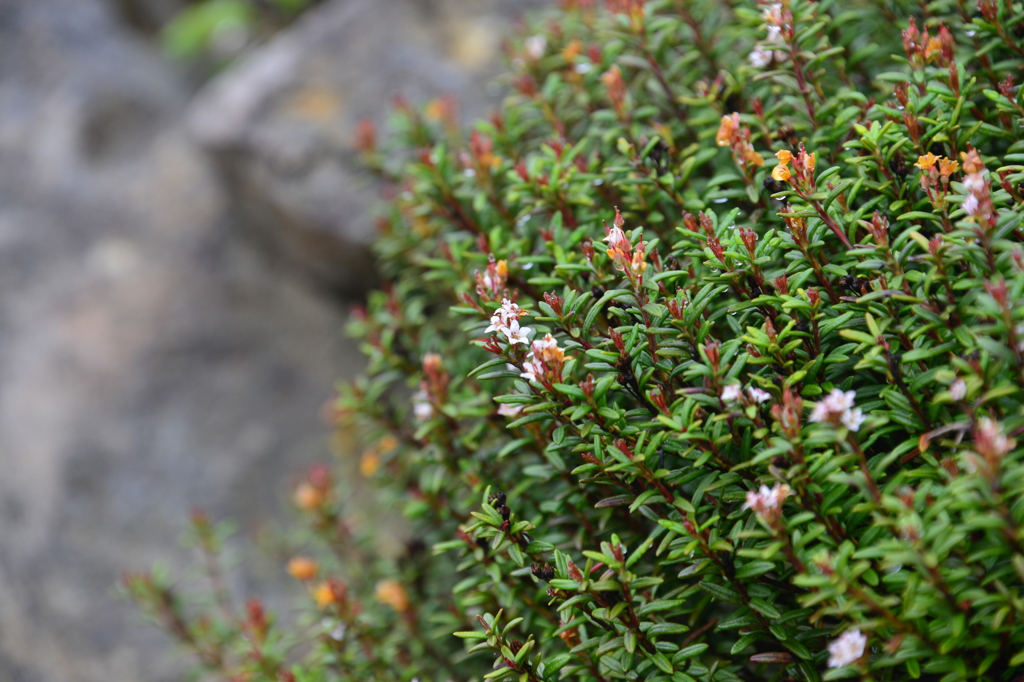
[{"x": 754, "y": 413}]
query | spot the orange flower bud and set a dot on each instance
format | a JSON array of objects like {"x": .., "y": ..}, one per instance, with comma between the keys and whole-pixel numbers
[
  {"x": 752, "y": 157},
  {"x": 392, "y": 593},
  {"x": 972, "y": 161},
  {"x": 324, "y": 595},
  {"x": 302, "y": 568},
  {"x": 369, "y": 463},
  {"x": 727, "y": 129},
  {"x": 307, "y": 497}
]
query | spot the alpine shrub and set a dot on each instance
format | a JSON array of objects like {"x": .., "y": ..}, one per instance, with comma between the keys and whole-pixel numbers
[{"x": 700, "y": 360}]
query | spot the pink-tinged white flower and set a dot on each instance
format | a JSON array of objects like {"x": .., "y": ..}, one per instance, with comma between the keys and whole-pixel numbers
[
  {"x": 758, "y": 396},
  {"x": 536, "y": 46},
  {"x": 989, "y": 440},
  {"x": 491, "y": 284},
  {"x": 970, "y": 205},
  {"x": 624, "y": 255},
  {"x": 616, "y": 237},
  {"x": 840, "y": 401},
  {"x": 958, "y": 389},
  {"x": 732, "y": 392},
  {"x": 837, "y": 408},
  {"x": 509, "y": 409},
  {"x": 546, "y": 360},
  {"x": 506, "y": 321},
  {"x": 760, "y": 57},
  {"x": 767, "y": 502},
  {"x": 852, "y": 419},
  {"x": 422, "y": 408},
  {"x": 531, "y": 370},
  {"x": 775, "y": 34},
  {"x": 847, "y": 648},
  {"x": 772, "y": 14},
  {"x": 975, "y": 182}
]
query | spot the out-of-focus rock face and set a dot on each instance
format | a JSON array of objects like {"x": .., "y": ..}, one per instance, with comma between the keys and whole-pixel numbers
[
  {"x": 152, "y": 357},
  {"x": 281, "y": 121}
]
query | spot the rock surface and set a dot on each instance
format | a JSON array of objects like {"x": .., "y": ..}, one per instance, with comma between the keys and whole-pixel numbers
[
  {"x": 155, "y": 354},
  {"x": 280, "y": 122}
]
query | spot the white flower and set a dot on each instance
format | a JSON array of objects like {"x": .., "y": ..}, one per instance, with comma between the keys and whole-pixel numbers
[
  {"x": 758, "y": 396},
  {"x": 616, "y": 236},
  {"x": 731, "y": 392},
  {"x": 775, "y": 34},
  {"x": 847, "y": 649},
  {"x": 958, "y": 389},
  {"x": 532, "y": 369},
  {"x": 820, "y": 413},
  {"x": 767, "y": 502},
  {"x": 509, "y": 409},
  {"x": 970, "y": 205},
  {"x": 839, "y": 401},
  {"x": 516, "y": 334},
  {"x": 852, "y": 419},
  {"x": 546, "y": 358},
  {"x": 990, "y": 441},
  {"x": 546, "y": 343},
  {"x": 772, "y": 14},
  {"x": 759, "y": 57},
  {"x": 506, "y": 320},
  {"x": 975, "y": 182},
  {"x": 421, "y": 406},
  {"x": 837, "y": 408},
  {"x": 535, "y": 46},
  {"x": 502, "y": 315}
]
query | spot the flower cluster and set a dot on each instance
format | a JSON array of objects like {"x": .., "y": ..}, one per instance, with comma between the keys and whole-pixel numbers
[
  {"x": 802, "y": 175},
  {"x": 767, "y": 502},
  {"x": 492, "y": 284},
  {"x": 545, "y": 361},
  {"x": 624, "y": 255},
  {"x": 505, "y": 320},
  {"x": 922, "y": 48},
  {"x": 978, "y": 202},
  {"x": 734, "y": 392},
  {"x": 731, "y": 134},
  {"x": 935, "y": 174},
  {"x": 779, "y": 22},
  {"x": 837, "y": 408},
  {"x": 991, "y": 445}
]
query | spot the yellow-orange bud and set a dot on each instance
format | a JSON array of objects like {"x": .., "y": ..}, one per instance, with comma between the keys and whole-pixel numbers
[
  {"x": 324, "y": 595},
  {"x": 302, "y": 568},
  {"x": 369, "y": 463},
  {"x": 392, "y": 593},
  {"x": 308, "y": 497}
]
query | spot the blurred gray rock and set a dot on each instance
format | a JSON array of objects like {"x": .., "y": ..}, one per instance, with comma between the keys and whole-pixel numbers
[
  {"x": 280, "y": 122},
  {"x": 151, "y": 359}
]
